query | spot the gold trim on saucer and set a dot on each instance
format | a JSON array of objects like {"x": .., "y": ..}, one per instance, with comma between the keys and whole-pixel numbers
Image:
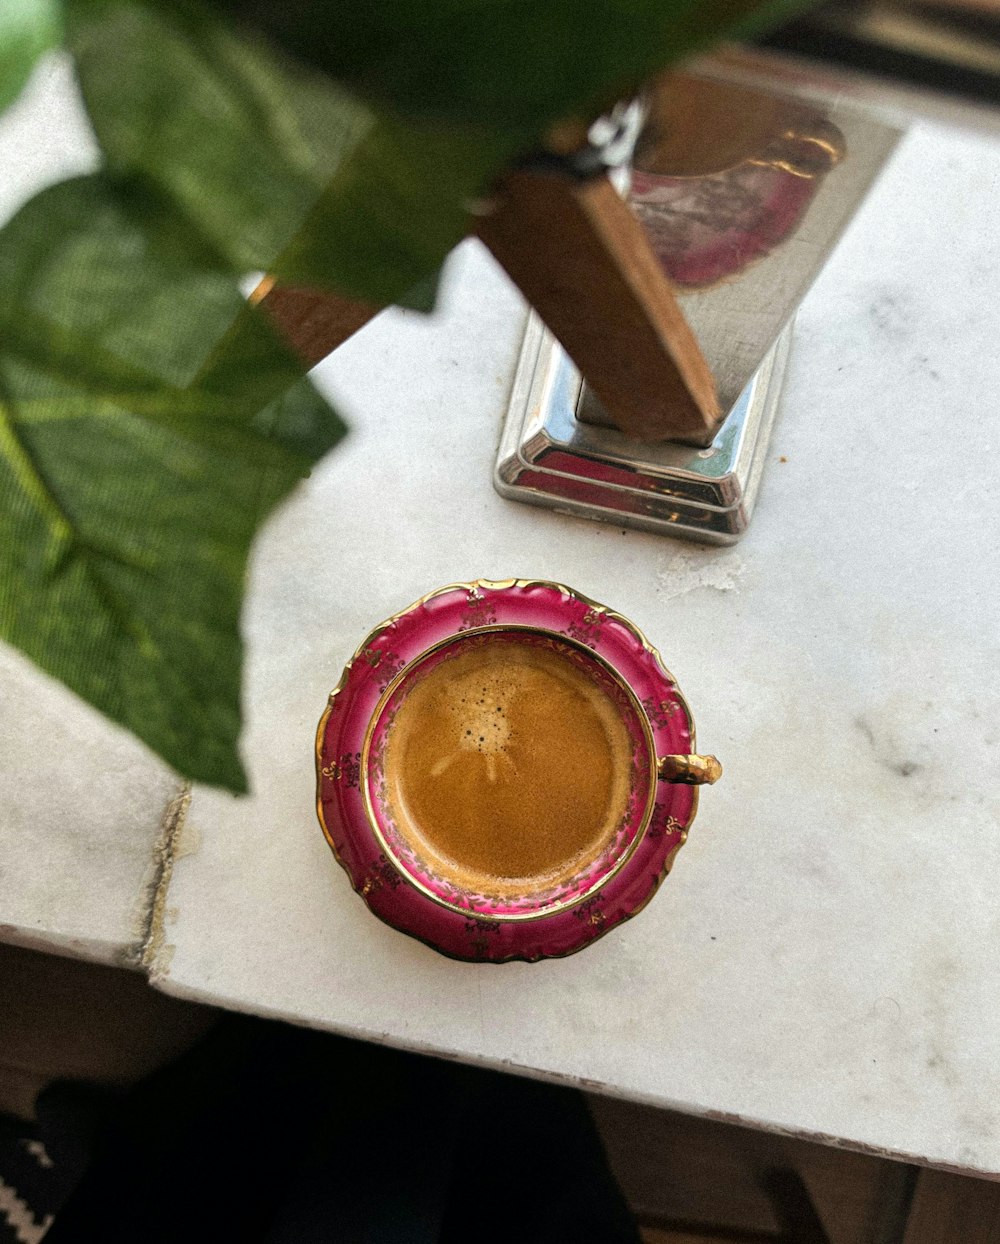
[{"x": 351, "y": 767}]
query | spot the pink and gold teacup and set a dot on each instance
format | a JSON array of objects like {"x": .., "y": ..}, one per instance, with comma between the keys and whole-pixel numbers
[{"x": 506, "y": 771}]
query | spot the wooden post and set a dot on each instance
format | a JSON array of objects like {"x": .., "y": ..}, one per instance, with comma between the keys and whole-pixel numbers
[
  {"x": 313, "y": 322},
  {"x": 953, "y": 1209},
  {"x": 582, "y": 260}
]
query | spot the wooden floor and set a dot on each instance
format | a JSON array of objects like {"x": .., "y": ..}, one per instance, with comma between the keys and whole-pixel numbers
[
  {"x": 945, "y": 1209},
  {"x": 694, "y": 1181},
  {"x": 698, "y": 1179}
]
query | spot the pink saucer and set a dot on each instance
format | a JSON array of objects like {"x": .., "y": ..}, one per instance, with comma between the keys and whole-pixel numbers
[{"x": 384, "y": 871}]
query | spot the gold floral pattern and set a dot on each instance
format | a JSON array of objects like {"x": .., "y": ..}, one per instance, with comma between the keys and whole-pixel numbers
[
  {"x": 380, "y": 873},
  {"x": 661, "y": 824},
  {"x": 589, "y": 912},
  {"x": 387, "y": 663},
  {"x": 478, "y": 611},
  {"x": 479, "y": 933},
  {"x": 349, "y": 770},
  {"x": 587, "y": 630},
  {"x": 390, "y": 667},
  {"x": 660, "y": 712}
]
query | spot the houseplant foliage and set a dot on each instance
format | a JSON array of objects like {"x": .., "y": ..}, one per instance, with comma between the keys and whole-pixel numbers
[{"x": 149, "y": 418}]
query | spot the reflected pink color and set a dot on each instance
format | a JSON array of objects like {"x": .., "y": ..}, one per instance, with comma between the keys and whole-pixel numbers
[{"x": 708, "y": 229}]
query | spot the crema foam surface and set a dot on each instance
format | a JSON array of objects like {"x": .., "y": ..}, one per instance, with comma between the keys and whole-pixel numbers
[{"x": 507, "y": 767}]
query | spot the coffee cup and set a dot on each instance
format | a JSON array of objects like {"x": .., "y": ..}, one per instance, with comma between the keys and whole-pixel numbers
[{"x": 492, "y": 770}]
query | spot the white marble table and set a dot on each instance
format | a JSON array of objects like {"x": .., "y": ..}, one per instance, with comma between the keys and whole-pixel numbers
[{"x": 825, "y": 957}]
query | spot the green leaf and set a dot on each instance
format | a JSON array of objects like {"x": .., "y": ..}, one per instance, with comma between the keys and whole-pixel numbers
[
  {"x": 240, "y": 142},
  {"x": 277, "y": 168},
  {"x": 394, "y": 210},
  {"x": 27, "y": 29},
  {"x": 148, "y": 422},
  {"x": 511, "y": 64}
]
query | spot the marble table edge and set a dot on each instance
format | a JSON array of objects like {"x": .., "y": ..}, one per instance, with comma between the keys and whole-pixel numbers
[
  {"x": 158, "y": 973},
  {"x": 144, "y": 923}
]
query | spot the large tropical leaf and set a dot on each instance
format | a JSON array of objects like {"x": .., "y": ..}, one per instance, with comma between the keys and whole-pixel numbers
[
  {"x": 138, "y": 454},
  {"x": 396, "y": 208},
  {"x": 239, "y": 140},
  {"x": 260, "y": 154},
  {"x": 511, "y": 64}
]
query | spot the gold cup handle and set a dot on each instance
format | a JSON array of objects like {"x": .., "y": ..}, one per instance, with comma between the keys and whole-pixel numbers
[{"x": 691, "y": 770}]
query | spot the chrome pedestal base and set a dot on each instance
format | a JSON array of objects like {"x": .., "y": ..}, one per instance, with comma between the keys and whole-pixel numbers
[{"x": 548, "y": 457}]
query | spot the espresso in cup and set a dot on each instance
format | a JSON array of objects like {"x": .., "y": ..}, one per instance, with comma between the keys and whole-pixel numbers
[{"x": 507, "y": 763}]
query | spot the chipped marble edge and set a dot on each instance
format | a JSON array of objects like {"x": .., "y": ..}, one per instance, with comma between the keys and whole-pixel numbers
[
  {"x": 189, "y": 993},
  {"x": 150, "y": 951},
  {"x": 104, "y": 951},
  {"x": 146, "y": 949}
]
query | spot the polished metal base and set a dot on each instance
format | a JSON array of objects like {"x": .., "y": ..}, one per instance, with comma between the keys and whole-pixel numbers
[
  {"x": 741, "y": 239},
  {"x": 549, "y": 457}
]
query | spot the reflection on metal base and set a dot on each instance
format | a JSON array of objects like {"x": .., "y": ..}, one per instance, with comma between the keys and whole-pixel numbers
[{"x": 548, "y": 457}]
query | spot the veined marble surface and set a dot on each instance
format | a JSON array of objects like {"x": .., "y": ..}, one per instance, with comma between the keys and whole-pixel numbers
[{"x": 825, "y": 957}]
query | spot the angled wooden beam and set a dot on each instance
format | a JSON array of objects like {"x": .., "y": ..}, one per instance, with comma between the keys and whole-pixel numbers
[
  {"x": 313, "y": 322},
  {"x": 582, "y": 260}
]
